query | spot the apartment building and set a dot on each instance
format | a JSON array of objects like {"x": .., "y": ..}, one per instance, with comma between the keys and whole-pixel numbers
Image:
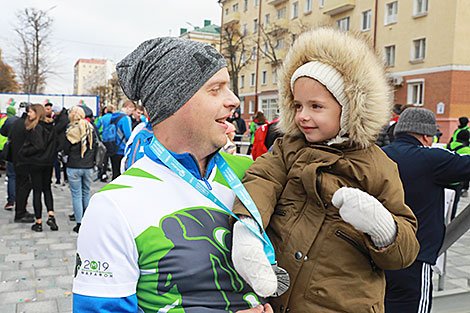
[
  {"x": 209, "y": 34},
  {"x": 90, "y": 73},
  {"x": 424, "y": 44}
]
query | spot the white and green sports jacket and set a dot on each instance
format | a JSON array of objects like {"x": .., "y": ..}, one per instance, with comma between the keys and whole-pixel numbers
[{"x": 150, "y": 242}]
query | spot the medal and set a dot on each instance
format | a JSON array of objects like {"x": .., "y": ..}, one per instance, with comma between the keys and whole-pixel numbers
[{"x": 283, "y": 280}]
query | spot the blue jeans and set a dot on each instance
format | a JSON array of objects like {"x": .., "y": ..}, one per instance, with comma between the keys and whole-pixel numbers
[
  {"x": 79, "y": 182},
  {"x": 11, "y": 182}
]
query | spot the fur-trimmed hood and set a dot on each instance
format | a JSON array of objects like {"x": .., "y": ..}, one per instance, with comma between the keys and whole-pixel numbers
[{"x": 365, "y": 83}]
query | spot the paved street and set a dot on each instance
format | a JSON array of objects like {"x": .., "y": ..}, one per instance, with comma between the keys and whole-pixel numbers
[{"x": 36, "y": 269}]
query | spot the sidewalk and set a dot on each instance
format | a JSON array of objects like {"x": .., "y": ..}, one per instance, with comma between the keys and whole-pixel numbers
[{"x": 36, "y": 269}]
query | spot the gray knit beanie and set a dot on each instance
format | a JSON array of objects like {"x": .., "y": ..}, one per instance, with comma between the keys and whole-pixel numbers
[
  {"x": 417, "y": 121},
  {"x": 164, "y": 73}
]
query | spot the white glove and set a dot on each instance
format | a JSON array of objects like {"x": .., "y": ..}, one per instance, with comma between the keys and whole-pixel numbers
[
  {"x": 366, "y": 214},
  {"x": 250, "y": 261}
]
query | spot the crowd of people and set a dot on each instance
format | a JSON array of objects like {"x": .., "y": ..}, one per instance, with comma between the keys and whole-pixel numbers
[
  {"x": 46, "y": 140},
  {"x": 327, "y": 216}
]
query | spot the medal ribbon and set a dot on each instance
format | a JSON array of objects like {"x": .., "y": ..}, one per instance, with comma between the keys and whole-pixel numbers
[{"x": 235, "y": 184}]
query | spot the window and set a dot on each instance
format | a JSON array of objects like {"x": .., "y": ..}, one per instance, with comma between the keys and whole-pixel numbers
[
  {"x": 226, "y": 11},
  {"x": 420, "y": 7},
  {"x": 343, "y": 24},
  {"x": 266, "y": 20},
  {"x": 245, "y": 5},
  {"x": 253, "y": 53},
  {"x": 252, "y": 79},
  {"x": 365, "y": 20},
  {"x": 256, "y": 2},
  {"x": 295, "y": 9},
  {"x": 244, "y": 28},
  {"x": 255, "y": 25},
  {"x": 391, "y": 12},
  {"x": 243, "y": 57},
  {"x": 242, "y": 81},
  {"x": 264, "y": 77},
  {"x": 275, "y": 77},
  {"x": 416, "y": 92},
  {"x": 265, "y": 49},
  {"x": 419, "y": 49},
  {"x": 235, "y": 7},
  {"x": 389, "y": 55},
  {"x": 281, "y": 13},
  {"x": 321, "y": 3},
  {"x": 251, "y": 107},
  {"x": 242, "y": 105},
  {"x": 308, "y": 6},
  {"x": 280, "y": 44}
]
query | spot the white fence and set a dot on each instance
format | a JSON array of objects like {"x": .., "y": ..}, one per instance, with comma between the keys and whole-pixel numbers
[{"x": 64, "y": 101}]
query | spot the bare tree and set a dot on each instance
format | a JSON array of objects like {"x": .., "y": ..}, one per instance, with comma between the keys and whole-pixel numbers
[
  {"x": 7, "y": 77},
  {"x": 110, "y": 93},
  {"x": 235, "y": 50},
  {"x": 33, "y": 29}
]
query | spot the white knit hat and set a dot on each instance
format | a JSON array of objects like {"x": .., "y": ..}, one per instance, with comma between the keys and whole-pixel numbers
[
  {"x": 329, "y": 77},
  {"x": 326, "y": 75}
]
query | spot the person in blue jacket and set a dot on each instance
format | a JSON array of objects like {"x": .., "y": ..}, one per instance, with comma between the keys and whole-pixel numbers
[
  {"x": 424, "y": 172},
  {"x": 117, "y": 129}
]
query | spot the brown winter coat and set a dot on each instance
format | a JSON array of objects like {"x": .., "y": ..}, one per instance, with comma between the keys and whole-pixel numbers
[
  {"x": 332, "y": 266},
  {"x": 293, "y": 187}
]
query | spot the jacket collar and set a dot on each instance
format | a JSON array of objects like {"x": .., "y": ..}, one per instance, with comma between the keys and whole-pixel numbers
[
  {"x": 188, "y": 160},
  {"x": 408, "y": 139}
]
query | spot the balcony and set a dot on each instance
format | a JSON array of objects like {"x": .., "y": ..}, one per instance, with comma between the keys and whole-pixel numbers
[
  {"x": 276, "y": 2},
  {"x": 333, "y": 7},
  {"x": 232, "y": 18},
  {"x": 279, "y": 27}
]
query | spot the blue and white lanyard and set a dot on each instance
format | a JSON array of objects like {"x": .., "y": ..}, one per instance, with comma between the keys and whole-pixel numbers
[{"x": 235, "y": 184}]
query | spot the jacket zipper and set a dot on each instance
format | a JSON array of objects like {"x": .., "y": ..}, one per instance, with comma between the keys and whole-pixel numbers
[
  {"x": 204, "y": 179},
  {"x": 351, "y": 241}
]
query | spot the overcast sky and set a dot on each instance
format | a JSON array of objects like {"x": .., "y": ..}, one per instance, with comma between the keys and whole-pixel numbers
[{"x": 102, "y": 29}]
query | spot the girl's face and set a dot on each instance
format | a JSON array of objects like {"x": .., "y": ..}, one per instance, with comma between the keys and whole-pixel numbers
[
  {"x": 31, "y": 114},
  {"x": 317, "y": 111}
]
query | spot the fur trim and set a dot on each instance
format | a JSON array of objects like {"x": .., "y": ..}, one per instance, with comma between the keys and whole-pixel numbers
[{"x": 365, "y": 83}]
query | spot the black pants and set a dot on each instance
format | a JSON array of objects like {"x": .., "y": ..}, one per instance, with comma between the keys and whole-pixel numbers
[
  {"x": 22, "y": 189},
  {"x": 409, "y": 290},
  {"x": 41, "y": 181},
  {"x": 116, "y": 164}
]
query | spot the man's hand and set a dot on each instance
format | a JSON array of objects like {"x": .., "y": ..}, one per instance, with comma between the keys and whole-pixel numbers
[
  {"x": 259, "y": 309},
  {"x": 250, "y": 261},
  {"x": 366, "y": 214}
]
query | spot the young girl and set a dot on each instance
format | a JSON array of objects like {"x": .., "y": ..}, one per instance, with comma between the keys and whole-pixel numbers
[
  {"x": 331, "y": 201},
  {"x": 38, "y": 153}
]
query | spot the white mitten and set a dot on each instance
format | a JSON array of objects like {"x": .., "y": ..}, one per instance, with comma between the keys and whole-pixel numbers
[
  {"x": 250, "y": 261},
  {"x": 366, "y": 214}
]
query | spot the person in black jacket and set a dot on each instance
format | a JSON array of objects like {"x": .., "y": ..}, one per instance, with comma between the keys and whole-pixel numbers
[
  {"x": 80, "y": 147},
  {"x": 61, "y": 121},
  {"x": 424, "y": 173},
  {"x": 16, "y": 135},
  {"x": 38, "y": 153}
]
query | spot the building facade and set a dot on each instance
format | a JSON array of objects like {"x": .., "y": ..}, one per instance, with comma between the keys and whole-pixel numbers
[
  {"x": 209, "y": 34},
  {"x": 91, "y": 73},
  {"x": 424, "y": 44}
]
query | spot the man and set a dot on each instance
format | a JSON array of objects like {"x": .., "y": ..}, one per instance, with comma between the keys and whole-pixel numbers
[
  {"x": 463, "y": 125},
  {"x": 61, "y": 122},
  {"x": 424, "y": 172},
  {"x": 16, "y": 135},
  {"x": 137, "y": 116},
  {"x": 149, "y": 240},
  {"x": 10, "y": 169},
  {"x": 48, "y": 109}
]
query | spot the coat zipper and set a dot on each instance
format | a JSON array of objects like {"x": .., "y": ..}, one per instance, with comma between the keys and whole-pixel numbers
[{"x": 351, "y": 241}]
